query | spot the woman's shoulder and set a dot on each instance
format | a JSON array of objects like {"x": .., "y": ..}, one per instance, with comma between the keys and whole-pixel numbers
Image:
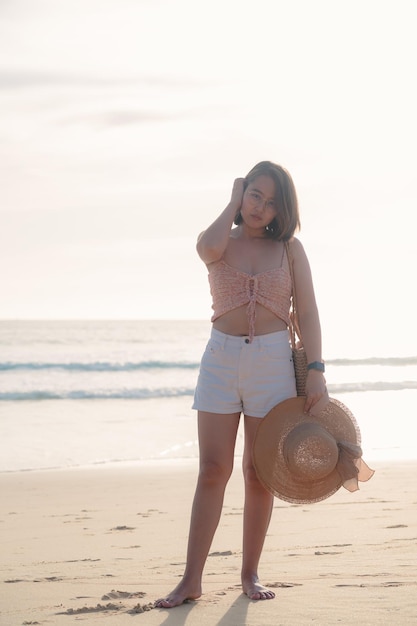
[
  {"x": 296, "y": 250},
  {"x": 295, "y": 245}
]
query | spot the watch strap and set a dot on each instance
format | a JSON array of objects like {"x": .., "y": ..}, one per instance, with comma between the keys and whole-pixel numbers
[{"x": 316, "y": 365}]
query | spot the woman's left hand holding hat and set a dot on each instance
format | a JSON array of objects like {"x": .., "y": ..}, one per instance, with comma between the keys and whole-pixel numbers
[{"x": 316, "y": 392}]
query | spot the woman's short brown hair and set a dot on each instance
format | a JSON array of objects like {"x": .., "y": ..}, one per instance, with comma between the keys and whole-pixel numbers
[{"x": 287, "y": 221}]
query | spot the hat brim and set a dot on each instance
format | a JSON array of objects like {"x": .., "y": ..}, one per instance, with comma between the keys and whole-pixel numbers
[{"x": 268, "y": 457}]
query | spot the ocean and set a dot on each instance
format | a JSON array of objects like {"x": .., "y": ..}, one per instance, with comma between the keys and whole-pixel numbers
[{"x": 82, "y": 393}]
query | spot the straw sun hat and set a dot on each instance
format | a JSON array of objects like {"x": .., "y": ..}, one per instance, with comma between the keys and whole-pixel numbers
[{"x": 306, "y": 458}]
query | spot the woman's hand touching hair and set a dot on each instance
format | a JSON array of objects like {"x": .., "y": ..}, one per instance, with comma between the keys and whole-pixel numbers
[{"x": 238, "y": 190}]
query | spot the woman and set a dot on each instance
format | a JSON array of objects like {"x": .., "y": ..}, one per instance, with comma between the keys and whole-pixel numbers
[{"x": 247, "y": 366}]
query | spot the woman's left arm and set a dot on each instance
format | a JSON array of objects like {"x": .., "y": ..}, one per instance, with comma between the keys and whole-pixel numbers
[{"x": 309, "y": 321}]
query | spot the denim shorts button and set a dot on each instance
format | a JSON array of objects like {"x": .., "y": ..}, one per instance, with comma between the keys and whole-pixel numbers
[{"x": 246, "y": 340}]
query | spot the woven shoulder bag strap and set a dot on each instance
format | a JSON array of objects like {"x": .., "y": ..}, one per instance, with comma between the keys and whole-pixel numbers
[{"x": 294, "y": 326}]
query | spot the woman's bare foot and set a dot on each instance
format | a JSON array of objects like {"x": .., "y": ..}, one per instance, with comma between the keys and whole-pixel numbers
[
  {"x": 179, "y": 595},
  {"x": 255, "y": 591}
]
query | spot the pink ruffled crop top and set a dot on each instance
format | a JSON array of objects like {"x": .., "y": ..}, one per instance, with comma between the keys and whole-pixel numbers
[{"x": 231, "y": 288}]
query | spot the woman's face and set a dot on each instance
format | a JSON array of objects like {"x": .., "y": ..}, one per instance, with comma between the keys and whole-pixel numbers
[{"x": 259, "y": 206}]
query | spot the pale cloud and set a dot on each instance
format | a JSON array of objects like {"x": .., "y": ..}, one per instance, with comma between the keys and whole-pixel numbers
[
  {"x": 118, "y": 118},
  {"x": 21, "y": 78}
]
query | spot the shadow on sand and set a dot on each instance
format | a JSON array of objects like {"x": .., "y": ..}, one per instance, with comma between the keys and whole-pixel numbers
[{"x": 236, "y": 614}]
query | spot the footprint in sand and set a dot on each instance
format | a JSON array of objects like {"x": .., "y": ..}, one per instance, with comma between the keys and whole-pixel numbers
[
  {"x": 391, "y": 583},
  {"x": 93, "y": 609},
  {"x": 141, "y": 608},
  {"x": 15, "y": 580},
  {"x": 110, "y": 606},
  {"x": 112, "y": 595},
  {"x": 397, "y": 526},
  {"x": 48, "y": 579}
]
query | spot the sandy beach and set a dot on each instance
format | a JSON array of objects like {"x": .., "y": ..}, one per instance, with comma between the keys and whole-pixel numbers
[{"x": 103, "y": 543}]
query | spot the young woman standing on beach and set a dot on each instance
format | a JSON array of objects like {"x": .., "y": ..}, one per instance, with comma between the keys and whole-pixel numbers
[{"x": 246, "y": 367}]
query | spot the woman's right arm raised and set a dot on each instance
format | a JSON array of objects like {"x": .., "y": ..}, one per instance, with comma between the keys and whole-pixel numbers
[{"x": 213, "y": 241}]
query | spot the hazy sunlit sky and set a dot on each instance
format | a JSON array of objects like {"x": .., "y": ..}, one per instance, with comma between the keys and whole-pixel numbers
[{"x": 123, "y": 124}]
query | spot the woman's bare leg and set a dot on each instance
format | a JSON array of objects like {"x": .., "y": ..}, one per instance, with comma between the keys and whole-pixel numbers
[
  {"x": 256, "y": 518},
  {"x": 217, "y": 437}
]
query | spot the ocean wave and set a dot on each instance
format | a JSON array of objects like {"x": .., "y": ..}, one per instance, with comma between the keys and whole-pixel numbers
[
  {"x": 81, "y": 394},
  {"x": 176, "y": 392},
  {"x": 98, "y": 366},
  {"x": 129, "y": 366},
  {"x": 382, "y": 385},
  {"x": 384, "y": 361}
]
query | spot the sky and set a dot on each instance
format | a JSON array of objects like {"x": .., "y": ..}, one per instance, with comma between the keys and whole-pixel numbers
[{"x": 123, "y": 124}]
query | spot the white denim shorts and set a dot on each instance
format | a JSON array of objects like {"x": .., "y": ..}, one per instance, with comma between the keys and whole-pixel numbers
[{"x": 237, "y": 376}]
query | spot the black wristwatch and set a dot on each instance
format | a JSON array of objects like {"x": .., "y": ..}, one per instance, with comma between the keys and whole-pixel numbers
[{"x": 316, "y": 365}]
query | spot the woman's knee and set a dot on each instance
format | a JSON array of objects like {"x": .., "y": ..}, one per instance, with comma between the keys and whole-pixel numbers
[
  {"x": 250, "y": 476},
  {"x": 214, "y": 472}
]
